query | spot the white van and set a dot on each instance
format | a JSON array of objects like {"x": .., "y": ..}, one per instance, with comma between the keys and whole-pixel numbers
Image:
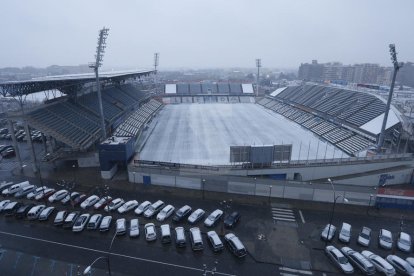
[
  {"x": 35, "y": 212},
  {"x": 15, "y": 188},
  {"x": 196, "y": 240},
  {"x": 165, "y": 233}
]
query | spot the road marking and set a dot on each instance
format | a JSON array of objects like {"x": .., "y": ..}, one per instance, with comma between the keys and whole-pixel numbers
[
  {"x": 287, "y": 274},
  {"x": 288, "y": 269},
  {"x": 301, "y": 217},
  {"x": 19, "y": 255},
  {"x": 34, "y": 264},
  {"x": 284, "y": 219},
  {"x": 283, "y": 210},
  {"x": 283, "y": 214},
  {"x": 113, "y": 254}
]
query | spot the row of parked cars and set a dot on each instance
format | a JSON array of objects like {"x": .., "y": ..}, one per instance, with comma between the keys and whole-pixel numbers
[
  {"x": 20, "y": 135},
  {"x": 368, "y": 263},
  {"x": 157, "y": 209},
  {"x": 385, "y": 237}
]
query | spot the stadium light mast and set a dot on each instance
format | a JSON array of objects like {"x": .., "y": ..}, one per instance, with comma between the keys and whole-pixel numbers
[
  {"x": 258, "y": 65},
  {"x": 397, "y": 66},
  {"x": 100, "y": 50},
  {"x": 156, "y": 61}
]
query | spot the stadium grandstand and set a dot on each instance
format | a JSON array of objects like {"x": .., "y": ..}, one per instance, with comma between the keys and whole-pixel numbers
[{"x": 348, "y": 119}]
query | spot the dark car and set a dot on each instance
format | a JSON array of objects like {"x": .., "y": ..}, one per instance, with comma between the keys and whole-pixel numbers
[
  {"x": 79, "y": 199},
  {"x": 11, "y": 208},
  {"x": 23, "y": 210},
  {"x": 232, "y": 219},
  {"x": 8, "y": 153},
  {"x": 3, "y": 148}
]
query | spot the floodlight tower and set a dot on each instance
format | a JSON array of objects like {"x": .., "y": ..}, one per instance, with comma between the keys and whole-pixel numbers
[
  {"x": 397, "y": 66},
  {"x": 156, "y": 61},
  {"x": 258, "y": 65},
  {"x": 100, "y": 50}
]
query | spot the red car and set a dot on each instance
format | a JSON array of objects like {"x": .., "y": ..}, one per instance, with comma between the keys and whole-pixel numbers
[
  {"x": 79, "y": 199},
  {"x": 45, "y": 194}
]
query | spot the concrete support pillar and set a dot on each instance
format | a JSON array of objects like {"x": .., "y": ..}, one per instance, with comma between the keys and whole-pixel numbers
[
  {"x": 15, "y": 145},
  {"x": 44, "y": 142},
  {"x": 30, "y": 144}
]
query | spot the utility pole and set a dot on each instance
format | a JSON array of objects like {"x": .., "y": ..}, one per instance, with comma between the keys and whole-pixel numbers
[
  {"x": 156, "y": 61},
  {"x": 397, "y": 67},
  {"x": 258, "y": 65},
  {"x": 100, "y": 50}
]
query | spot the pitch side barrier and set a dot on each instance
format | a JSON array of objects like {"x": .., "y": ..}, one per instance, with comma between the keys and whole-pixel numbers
[{"x": 175, "y": 165}]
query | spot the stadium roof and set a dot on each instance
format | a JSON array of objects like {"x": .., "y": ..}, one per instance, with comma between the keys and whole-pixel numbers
[{"x": 64, "y": 83}]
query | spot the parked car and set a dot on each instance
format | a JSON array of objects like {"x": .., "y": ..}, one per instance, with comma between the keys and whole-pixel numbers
[
  {"x": 69, "y": 198},
  {"x": 231, "y": 220},
  {"x": 5, "y": 185},
  {"x": 80, "y": 223},
  {"x": 23, "y": 210},
  {"x": 410, "y": 261},
  {"x": 196, "y": 216},
  {"x": 213, "y": 218},
  {"x": 120, "y": 227},
  {"x": 35, "y": 211},
  {"x": 46, "y": 193},
  {"x": 24, "y": 191},
  {"x": 78, "y": 200},
  {"x": 165, "y": 233},
  {"x": 115, "y": 204},
  {"x": 381, "y": 265},
  {"x": 8, "y": 153},
  {"x": 235, "y": 245},
  {"x": 364, "y": 237},
  {"x": 339, "y": 259},
  {"x": 180, "y": 240},
  {"x": 165, "y": 213},
  {"x": 345, "y": 233},
  {"x": 328, "y": 232},
  {"x": 34, "y": 193},
  {"x": 89, "y": 201},
  {"x": 404, "y": 242},
  {"x": 3, "y": 204},
  {"x": 105, "y": 223},
  {"x": 154, "y": 209},
  {"x": 150, "y": 234},
  {"x": 11, "y": 208},
  {"x": 102, "y": 202},
  {"x": 196, "y": 239},
  {"x": 45, "y": 214},
  {"x": 142, "y": 207},
  {"x": 182, "y": 213},
  {"x": 94, "y": 222},
  {"x": 127, "y": 206},
  {"x": 385, "y": 239},
  {"x": 215, "y": 241},
  {"x": 70, "y": 219},
  {"x": 357, "y": 259},
  {"x": 60, "y": 217},
  {"x": 59, "y": 195},
  {"x": 134, "y": 228},
  {"x": 400, "y": 265},
  {"x": 15, "y": 188}
]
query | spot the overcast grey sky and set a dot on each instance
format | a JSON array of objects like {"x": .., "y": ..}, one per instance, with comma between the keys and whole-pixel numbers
[{"x": 205, "y": 33}]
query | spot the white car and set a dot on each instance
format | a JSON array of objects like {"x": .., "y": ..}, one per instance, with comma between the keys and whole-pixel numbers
[
  {"x": 89, "y": 201},
  {"x": 120, "y": 226},
  {"x": 59, "y": 195},
  {"x": 404, "y": 242},
  {"x": 94, "y": 222},
  {"x": 70, "y": 197},
  {"x": 328, "y": 232},
  {"x": 150, "y": 234},
  {"x": 402, "y": 266},
  {"x": 129, "y": 205},
  {"x": 44, "y": 193},
  {"x": 142, "y": 207},
  {"x": 364, "y": 237},
  {"x": 213, "y": 218},
  {"x": 44, "y": 215},
  {"x": 105, "y": 223},
  {"x": 60, "y": 217},
  {"x": 154, "y": 208},
  {"x": 102, "y": 202},
  {"x": 165, "y": 213},
  {"x": 345, "y": 232},
  {"x": 80, "y": 223},
  {"x": 359, "y": 260},
  {"x": 3, "y": 204},
  {"x": 196, "y": 216},
  {"x": 339, "y": 259},
  {"x": 134, "y": 228},
  {"x": 35, "y": 211},
  {"x": 381, "y": 265},
  {"x": 385, "y": 239},
  {"x": 115, "y": 204},
  {"x": 215, "y": 241},
  {"x": 35, "y": 192}
]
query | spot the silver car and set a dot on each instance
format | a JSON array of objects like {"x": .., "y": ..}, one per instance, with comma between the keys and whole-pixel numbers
[
  {"x": 364, "y": 237},
  {"x": 328, "y": 232},
  {"x": 345, "y": 233},
  {"x": 381, "y": 265},
  {"x": 402, "y": 266},
  {"x": 359, "y": 260},
  {"x": 385, "y": 239},
  {"x": 339, "y": 259},
  {"x": 404, "y": 242}
]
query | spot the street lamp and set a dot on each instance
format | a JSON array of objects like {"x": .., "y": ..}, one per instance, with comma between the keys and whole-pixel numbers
[
  {"x": 89, "y": 267},
  {"x": 270, "y": 192},
  {"x": 369, "y": 204},
  {"x": 203, "y": 182},
  {"x": 226, "y": 205},
  {"x": 333, "y": 208}
]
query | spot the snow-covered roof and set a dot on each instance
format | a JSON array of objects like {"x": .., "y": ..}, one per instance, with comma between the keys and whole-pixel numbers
[
  {"x": 277, "y": 91},
  {"x": 374, "y": 126}
]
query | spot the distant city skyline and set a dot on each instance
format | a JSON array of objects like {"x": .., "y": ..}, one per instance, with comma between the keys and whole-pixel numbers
[{"x": 205, "y": 34}]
